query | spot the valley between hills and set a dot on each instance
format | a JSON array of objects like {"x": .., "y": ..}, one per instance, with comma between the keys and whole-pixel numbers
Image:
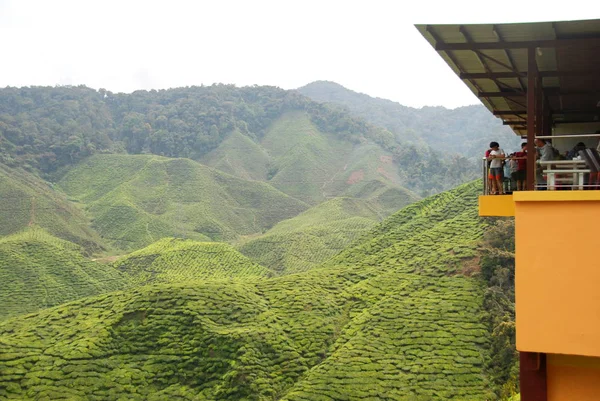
[{"x": 246, "y": 244}]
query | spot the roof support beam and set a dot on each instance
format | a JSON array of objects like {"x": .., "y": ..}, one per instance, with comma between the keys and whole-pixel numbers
[
  {"x": 492, "y": 75},
  {"x": 453, "y": 59},
  {"x": 500, "y": 63},
  {"x": 481, "y": 57},
  {"x": 509, "y": 112},
  {"x": 554, "y": 43},
  {"x": 554, "y": 112},
  {"x": 576, "y": 121},
  {"x": 502, "y": 94},
  {"x": 523, "y": 74},
  {"x": 508, "y": 55},
  {"x": 532, "y": 79}
]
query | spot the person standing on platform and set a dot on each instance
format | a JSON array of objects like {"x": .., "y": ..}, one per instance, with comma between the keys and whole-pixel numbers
[
  {"x": 521, "y": 175},
  {"x": 496, "y": 157}
]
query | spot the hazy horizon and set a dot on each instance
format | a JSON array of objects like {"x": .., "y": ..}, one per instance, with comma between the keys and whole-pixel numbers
[{"x": 371, "y": 48}]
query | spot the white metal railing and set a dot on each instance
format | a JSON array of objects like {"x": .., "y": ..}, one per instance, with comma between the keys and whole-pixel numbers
[{"x": 576, "y": 174}]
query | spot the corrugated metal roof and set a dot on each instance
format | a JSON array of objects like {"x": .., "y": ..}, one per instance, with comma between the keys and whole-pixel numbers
[{"x": 571, "y": 96}]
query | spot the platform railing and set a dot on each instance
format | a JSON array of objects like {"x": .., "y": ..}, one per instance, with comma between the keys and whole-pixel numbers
[{"x": 550, "y": 175}]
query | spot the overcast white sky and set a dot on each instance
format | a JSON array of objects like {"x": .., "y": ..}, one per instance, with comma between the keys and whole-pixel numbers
[{"x": 369, "y": 46}]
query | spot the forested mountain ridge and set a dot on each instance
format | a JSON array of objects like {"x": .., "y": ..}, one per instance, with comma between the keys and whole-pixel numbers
[
  {"x": 49, "y": 127},
  {"x": 46, "y": 129},
  {"x": 466, "y": 130}
]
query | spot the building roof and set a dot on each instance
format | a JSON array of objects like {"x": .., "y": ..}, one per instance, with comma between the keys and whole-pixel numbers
[{"x": 492, "y": 60}]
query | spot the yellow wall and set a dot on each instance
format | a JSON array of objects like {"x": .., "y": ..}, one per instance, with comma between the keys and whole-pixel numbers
[
  {"x": 558, "y": 272},
  {"x": 496, "y": 205},
  {"x": 573, "y": 378}
]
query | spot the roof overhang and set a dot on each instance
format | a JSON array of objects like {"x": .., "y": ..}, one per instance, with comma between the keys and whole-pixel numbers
[{"x": 498, "y": 62}]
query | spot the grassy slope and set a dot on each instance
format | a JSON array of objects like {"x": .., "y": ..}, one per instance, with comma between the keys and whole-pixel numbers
[
  {"x": 27, "y": 200},
  {"x": 307, "y": 240},
  {"x": 315, "y": 166},
  {"x": 240, "y": 156},
  {"x": 136, "y": 200},
  {"x": 388, "y": 318},
  {"x": 419, "y": 330},
  {"x": 175, "y": 260},
  {"x": 38, "y": 270}
]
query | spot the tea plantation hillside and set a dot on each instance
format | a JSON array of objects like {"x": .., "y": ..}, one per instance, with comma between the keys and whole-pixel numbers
[
  {"x": 309, "y": 239},
  {"x": 173, "y": 260},
  {"x": 416, "y": 328},
  {"x": 135, "y": 200},
  {"x": 390, "y": 318},
  {"x": 314, "y": 166},
  {"x": 38, "y": 270},
  {"x": 240, "y": 156},
  {"x": 29, "y": 201}
]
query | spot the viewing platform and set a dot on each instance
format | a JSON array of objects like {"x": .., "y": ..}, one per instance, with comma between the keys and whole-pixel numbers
[{"x": 543, "y": 81}]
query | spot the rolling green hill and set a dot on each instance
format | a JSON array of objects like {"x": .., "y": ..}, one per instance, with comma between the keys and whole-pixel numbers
[
  {"x": 38, "y": 271},
  {"x": 390, "y": 317},
  {"x": 307, "y": 240},
  {"x": 29, "y": 201},
  {"x": 313, "y": 166},
  {"x": 173, "y": 260},
  {"x": 137, "y": 200},
  {"x": 302, "y": 160},
  {"x": 240, "y": 156}
]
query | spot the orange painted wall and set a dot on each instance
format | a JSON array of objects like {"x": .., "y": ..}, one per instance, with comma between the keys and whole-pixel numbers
[
  {"x": 558, "y": 272},
  {"x": 573, "y": 378},
  {"x": 496, "y": 205}
]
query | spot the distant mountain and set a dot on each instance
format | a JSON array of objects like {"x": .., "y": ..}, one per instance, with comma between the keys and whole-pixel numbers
[
  {"x": 465, "y": 130},
  {"x": 38, "y": 271},
  {"x": 391, "y": 315},
  {"x": 28, "y": 201},
  {"x": 172, "y": 260},
  {"x": 307, "y": 149},
  {"x": 137, "y": 200}
]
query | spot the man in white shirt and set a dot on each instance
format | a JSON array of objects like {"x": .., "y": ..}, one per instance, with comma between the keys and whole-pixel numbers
[
  {"x": 545, "y": 153},
  {"x": 496, "y": 158}
]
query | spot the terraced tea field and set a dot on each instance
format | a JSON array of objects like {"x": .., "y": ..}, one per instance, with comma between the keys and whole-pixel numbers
[
  {"x": 38, "y": 271},
  {"x": 391, "y": 317},
  {"x": 307, "y": 240},
  {"x": 29, "y": 201},
  {"x": 173, "y": 260},
  {"x": 135, "y": 200}
]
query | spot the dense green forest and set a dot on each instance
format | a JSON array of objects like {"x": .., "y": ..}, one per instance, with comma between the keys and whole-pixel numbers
[
  {"x": 250, "y": 243},
  {"x": 466, "y": 131},
  {"x": 45, "y": 129}
]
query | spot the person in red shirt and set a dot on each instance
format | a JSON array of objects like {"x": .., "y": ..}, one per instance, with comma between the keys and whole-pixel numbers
[{"x": 522, "y": 167}]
